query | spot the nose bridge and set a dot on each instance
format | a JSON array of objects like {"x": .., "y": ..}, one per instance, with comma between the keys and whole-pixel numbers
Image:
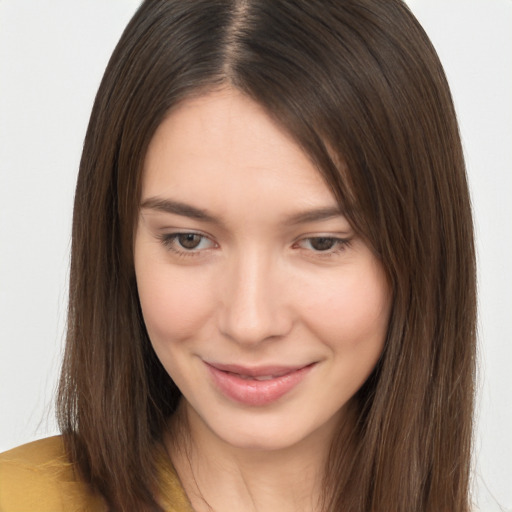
[{"x": 253, "y": 307}]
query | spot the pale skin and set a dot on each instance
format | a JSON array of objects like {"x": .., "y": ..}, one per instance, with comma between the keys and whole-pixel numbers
[{"x": 243, "y": 257}]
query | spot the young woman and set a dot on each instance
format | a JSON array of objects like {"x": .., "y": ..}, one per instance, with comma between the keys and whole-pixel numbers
[{"x": 272, "y": 294}]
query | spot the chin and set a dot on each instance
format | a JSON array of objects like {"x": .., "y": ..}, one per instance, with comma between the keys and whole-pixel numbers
[{"x": 268, "y": 431}]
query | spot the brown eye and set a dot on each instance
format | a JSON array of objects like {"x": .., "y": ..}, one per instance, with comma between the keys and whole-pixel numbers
[
  {"x": 187, "y": 243},
  {"x": 189, "y": 240},
  {"x": 322, "y": 243}
]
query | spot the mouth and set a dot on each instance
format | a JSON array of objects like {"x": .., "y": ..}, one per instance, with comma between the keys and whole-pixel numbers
[
  {"x": 256, "y": 386},
  {"x": 259, "y": 378}
]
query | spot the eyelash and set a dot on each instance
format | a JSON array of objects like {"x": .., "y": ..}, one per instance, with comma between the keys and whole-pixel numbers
[
  {"x": 339, "y": 245},
  {"x": 170, "y": 241}
]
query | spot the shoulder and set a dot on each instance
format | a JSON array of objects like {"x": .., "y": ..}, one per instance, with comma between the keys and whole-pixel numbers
[
  {"x": 38, "y": 476},
  {"x": 172, "y": 495}
]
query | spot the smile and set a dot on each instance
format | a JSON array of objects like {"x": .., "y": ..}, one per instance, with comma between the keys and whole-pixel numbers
[
  {"x": 256, "y": 386},
  {"x": 263, "y": 377}
]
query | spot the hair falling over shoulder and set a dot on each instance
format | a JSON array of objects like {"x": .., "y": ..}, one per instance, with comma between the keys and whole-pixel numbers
[{"x": 360, "y": 88}]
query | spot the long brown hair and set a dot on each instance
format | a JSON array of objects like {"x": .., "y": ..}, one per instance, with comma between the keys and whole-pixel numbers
[{"x": 360, "y": 88}]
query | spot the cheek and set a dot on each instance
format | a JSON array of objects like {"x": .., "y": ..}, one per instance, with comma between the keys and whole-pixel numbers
[
  {"x": 352, "y": 312},
  {"x": 174, "y": 306}
]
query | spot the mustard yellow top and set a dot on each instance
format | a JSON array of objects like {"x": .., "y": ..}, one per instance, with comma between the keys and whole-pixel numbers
[{"x": 37, "y": 477}]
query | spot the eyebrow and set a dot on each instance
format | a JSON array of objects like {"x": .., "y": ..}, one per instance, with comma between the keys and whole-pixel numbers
[
  {"x": 192, "y": 212},
  {"x": 178, "y": 208},
  {"x": 315, "y": 215}
]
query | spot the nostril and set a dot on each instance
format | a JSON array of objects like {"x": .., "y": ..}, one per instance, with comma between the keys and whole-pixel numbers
[{"x": 254, "y": 324}]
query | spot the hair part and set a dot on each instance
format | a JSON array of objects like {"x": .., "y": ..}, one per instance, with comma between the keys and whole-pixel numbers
[{"x": 360, "y": 88}]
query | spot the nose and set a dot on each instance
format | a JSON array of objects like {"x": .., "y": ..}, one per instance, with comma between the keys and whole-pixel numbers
[{"x": 254, "y": 306}]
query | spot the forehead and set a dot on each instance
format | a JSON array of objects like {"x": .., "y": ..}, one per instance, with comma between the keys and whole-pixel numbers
[{"x": 222, "y": 144}]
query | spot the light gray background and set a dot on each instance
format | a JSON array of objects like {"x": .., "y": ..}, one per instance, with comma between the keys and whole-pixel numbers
[{"x": 52, "y": 56}]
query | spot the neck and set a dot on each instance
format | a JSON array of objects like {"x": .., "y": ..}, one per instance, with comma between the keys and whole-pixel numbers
[{"x": 218, "y": 476}]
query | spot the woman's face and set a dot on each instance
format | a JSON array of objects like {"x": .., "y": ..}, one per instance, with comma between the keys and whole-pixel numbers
[{"x": 261, "y": 302}]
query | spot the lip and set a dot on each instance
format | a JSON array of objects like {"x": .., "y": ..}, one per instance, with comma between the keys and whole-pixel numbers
[{"x": 239, "y": 383}]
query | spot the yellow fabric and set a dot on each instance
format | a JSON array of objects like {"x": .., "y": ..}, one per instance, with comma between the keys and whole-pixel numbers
[{"x": 37, "y": 477}]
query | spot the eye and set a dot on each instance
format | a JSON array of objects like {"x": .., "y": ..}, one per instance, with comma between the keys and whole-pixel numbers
[
  {"x": 324, "y": 244},
  {"x": 186, "y": 242},
  {"x": 189, "y": 240},
  {"x": 321, "y": 243}
]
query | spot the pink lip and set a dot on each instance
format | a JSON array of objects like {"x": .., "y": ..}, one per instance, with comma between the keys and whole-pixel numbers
[{"x": 230, "y": 380}]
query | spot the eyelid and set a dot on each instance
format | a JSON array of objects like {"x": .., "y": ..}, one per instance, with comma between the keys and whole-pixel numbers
[
  {"x": 170, "y": 243},
  {"x": 168, "y": 240},
  {"x": 340, "y": 244}
]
